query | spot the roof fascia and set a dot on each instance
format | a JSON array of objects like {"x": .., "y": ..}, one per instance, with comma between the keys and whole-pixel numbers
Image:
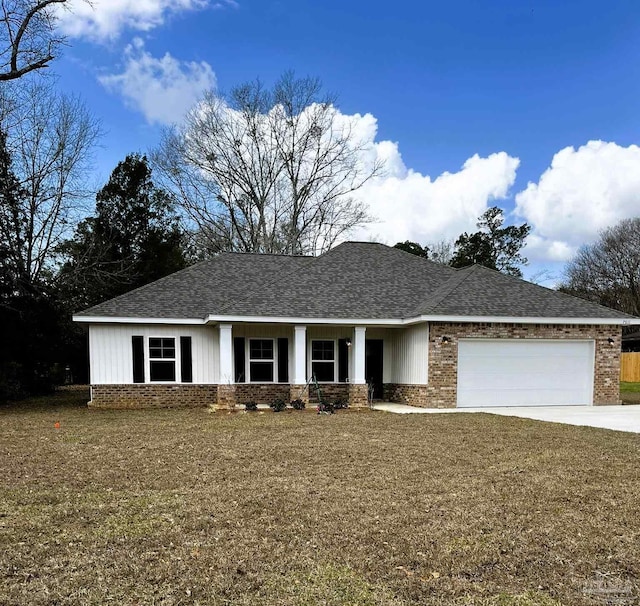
[{"x": 217, "y": 319}]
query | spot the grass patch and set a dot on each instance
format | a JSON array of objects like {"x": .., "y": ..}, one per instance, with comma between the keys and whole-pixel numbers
[
  {"x": 184, "y": 507},
  {"x": 630, "y": 392}
]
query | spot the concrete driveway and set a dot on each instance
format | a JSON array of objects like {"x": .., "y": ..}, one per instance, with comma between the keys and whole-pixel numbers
[{"x": 619, "y": 418}]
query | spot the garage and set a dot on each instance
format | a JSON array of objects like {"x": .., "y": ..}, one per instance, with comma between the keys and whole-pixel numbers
[{"x": 525, "y": 372}]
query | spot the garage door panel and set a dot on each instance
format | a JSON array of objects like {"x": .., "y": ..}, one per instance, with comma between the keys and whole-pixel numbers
[{"x": 524, "y": 372}]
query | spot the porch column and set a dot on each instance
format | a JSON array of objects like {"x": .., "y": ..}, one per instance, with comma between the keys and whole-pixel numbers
[
  {"x": 226, "y": 380},
  {"x": 359, "y": 333},
  {"x": 358, "y": 392},
  {"x": 299, "y": 378},
  {"x": 300, "y": 355}
]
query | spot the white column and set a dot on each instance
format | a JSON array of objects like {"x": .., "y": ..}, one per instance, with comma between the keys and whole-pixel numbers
[
  {"x": 226, "y": 355},
  {"x": 300, "y": 355},
  {"x": 358, "y": 349}
]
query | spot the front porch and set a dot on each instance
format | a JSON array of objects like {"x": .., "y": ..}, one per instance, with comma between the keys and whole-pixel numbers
[{"x": 261, "y": 363}]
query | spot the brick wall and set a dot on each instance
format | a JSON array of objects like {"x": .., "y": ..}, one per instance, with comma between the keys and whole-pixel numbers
[
  {"x": 263, "y": 393},
  {"x": 358, "y": 395},
  {"x": 153, "y": 396},
  {"x": 415, "y": 395},
  {"x": 443, "y": 357},
  {"x": 330, "y": 391}
]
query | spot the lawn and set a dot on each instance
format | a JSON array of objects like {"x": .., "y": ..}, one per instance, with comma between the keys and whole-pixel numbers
[
  {"x": 186, "y": 507},
  {"x": 630, "y": 392}
]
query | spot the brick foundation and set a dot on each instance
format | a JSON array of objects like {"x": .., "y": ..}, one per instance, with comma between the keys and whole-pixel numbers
[
  {"x": 415, "y": 395},
  {"x": 262, "y": 393},
  {"x": 299, "y": 391},
  {"x": 443, "y": 357},
  {"x": 330, "y": 392},
  {"x": 153, "y": 396},
  {"x": 226, "y": 397},
  {"x": 358, "y": 395}
]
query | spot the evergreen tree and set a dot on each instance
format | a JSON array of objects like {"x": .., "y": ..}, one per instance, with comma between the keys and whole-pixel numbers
[{"x": 493, "y": 246}]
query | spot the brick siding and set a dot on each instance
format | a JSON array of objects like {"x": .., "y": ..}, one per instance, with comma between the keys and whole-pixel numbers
[
  {"x": 153, "y": 396},
  {"x": 415, "y": 395},
  {"x": 443, "y": 357},
  {"x": 330, "y": 391}
]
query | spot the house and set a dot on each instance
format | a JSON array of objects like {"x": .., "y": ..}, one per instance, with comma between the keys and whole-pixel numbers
[{"x": 252, "y": 327}]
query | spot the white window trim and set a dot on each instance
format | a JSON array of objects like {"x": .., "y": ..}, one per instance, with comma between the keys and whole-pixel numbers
[
  {"x": 335, "y": 360},
  {"x": 148, "y": 359},
  {"x": 248, "y": 360}
]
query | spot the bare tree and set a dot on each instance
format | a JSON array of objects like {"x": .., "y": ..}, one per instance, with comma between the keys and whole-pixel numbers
[
  {"x": 28, "y": 40},
  {"x": 268, "y": 170},
  {"x": 441, "y": 251},
  {"x": 50, "y": 139},
  {"x": 608, "y": 271}
]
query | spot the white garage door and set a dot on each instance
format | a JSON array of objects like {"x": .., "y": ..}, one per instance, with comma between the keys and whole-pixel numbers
[{"x": 526, "y": 372}]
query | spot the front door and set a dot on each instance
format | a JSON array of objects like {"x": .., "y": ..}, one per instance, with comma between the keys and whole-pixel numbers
[{"x": 373, "y": 366}]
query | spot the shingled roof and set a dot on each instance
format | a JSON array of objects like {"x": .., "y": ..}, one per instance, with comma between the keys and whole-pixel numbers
[{"x": 355, "y": 280}]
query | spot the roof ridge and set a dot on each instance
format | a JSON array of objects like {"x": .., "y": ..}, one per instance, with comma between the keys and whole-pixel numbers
[{"x": 448, "y": 287}]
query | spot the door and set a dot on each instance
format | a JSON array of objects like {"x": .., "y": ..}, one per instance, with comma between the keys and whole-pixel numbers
[
  {"x": 525, "y": 372},
  {"x": 373, "y": 366}
]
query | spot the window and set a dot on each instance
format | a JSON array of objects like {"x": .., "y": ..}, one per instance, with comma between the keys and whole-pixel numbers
[
  {"x": 323, "y": 360},
  {"x": 162, "y": 359},
  {"x": 261, "y": 360}
]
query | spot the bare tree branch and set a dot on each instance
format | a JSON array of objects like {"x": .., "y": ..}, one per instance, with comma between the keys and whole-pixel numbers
[
  {"x": 268, "y": 170},
  {"x": 28, "y": 37}
]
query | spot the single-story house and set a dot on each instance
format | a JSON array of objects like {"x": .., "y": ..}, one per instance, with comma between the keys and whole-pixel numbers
[{"x": 364, "y": 319}]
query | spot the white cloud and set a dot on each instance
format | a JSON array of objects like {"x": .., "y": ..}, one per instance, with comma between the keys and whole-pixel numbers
[
  {"x": 583, "y": 191},
  {"x": 163, "y": 89},
  {"x": 104, "y": 19},
  {"x": 409, "y": 205}
]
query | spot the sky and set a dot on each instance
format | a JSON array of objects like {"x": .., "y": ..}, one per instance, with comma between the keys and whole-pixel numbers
[{"x": 530, "y": 105}]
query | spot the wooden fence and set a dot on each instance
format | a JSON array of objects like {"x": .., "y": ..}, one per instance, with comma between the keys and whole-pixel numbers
[{"x": 630, "y": 367}]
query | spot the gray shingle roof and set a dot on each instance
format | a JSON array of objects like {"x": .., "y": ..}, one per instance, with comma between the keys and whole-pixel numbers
[{"x": 355, "y": 280}]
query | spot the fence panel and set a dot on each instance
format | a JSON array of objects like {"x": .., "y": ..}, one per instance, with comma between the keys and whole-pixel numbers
[{"x": 630, "y": 367}]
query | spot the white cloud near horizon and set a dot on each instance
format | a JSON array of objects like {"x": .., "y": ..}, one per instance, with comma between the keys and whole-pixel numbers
[
  {"x": 409, "y": 205},
  {"x": 583, "y": 191},
  {"x": 101, "y": 20},
  {"x": 162, "y": 89}
]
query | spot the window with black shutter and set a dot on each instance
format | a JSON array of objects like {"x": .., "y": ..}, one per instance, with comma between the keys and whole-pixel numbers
[
  {"x": 186, "y": 363},
  {"x": 343, "y": 361},
  {"x": 283, "y": 360},
  {"x": 238, "y": 359},
  {"x": 137, "y": 349}
]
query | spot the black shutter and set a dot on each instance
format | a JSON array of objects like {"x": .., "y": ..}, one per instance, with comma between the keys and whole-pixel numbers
[
  {"x": 137, "y": 349},
  {"x": 283, "y": 360},
  {"x": 343, "y": 361},
  {"x": 186, "y": 365},
  {"x": 238, "y": 359}
]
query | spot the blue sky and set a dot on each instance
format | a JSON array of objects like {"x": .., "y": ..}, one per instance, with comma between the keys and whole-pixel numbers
[{"x": 503, "y": 86}]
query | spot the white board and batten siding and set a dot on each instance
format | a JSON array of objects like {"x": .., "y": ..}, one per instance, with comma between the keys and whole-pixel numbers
[
  {"x": 111, "y": 357},
  {"x": 525, "y": 372},
  {"x": 409, "y": 355}
]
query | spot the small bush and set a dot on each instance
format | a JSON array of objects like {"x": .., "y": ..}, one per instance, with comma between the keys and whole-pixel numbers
[
  {"x": 341, "y": 404},
  {"x": 326, "y": 407},
  {"x": 278, "y": 405},
  {"x": 251, "y": 406},
  {"x": 298, "y": 404}
]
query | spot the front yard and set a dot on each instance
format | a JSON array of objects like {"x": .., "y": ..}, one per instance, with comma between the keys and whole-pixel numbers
[{"x": 186, "y": 507}]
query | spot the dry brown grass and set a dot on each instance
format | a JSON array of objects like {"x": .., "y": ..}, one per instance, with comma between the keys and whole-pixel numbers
[{"x": 185, "y": 507}]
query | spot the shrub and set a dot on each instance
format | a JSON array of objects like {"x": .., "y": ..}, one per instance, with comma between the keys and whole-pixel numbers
[
  {"x": 325, "y": 407},
  {"x": 251, "y": 406},
  {"x": 298, "y": 404},
  {"x": 340, "y": 404},
  {"x": 278, "y": 405}
]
